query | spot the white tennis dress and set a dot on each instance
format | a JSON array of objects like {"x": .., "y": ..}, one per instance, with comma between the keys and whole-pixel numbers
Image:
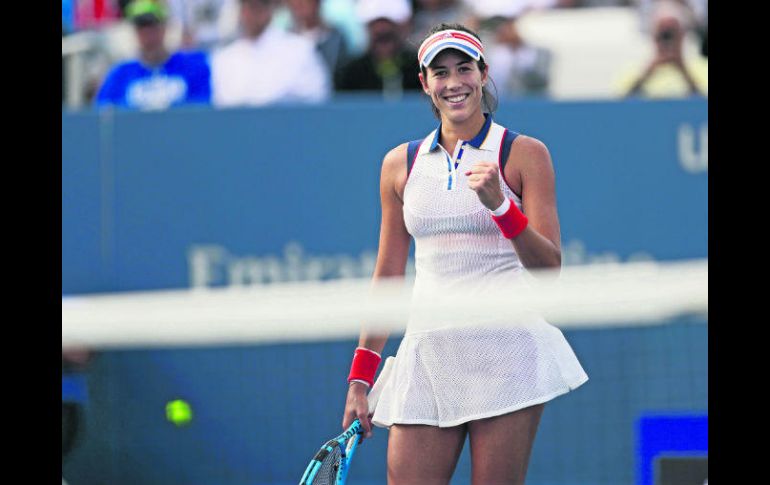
[{"x": 447, "y": 376}]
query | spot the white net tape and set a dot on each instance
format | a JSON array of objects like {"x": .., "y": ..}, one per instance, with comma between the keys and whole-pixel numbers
[{"x": 580, "y": 296}]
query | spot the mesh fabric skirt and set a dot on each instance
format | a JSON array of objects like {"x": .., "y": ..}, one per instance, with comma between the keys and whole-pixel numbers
[{"x": 446, "y": 377}]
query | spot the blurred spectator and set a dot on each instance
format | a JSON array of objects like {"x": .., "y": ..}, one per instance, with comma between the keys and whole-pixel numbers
[
  {"x": 593, "y": 3},
  {"x": 485, "y": 9},
  {"x": 63, "y": 68},
  {"x": 429, "y": 13},
  {"x": 157, "y": 79},
  {"x": 515, "y": 67},
  {"x": 202, "y": 23},
  {"x": 695, "y": 11},
  {"x": 267, "y": 65},
  {"x": 700, "y": 11},
  {"x": 67, "y": 17},
  {"x": 94, "y": 14},
  {"x": 671, "y": 73},
  {"x": 122, "y": 4},
  {"x": 389, "y": 64},
  {"x": 74, "y": 398},
  {"x": 306, "y": 21},
  {"x": 342, "y": 14}
]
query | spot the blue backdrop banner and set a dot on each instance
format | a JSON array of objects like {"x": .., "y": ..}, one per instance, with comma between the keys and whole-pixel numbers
[{"x": 210, "y": 198}]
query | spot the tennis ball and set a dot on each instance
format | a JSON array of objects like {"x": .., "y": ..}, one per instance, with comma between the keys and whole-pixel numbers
[{"x": 179, "y": 412}]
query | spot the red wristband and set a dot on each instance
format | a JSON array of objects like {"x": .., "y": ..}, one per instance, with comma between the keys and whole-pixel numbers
[
  {"x": 364, "y": 366},
  {"x": 512, "y": 222}
]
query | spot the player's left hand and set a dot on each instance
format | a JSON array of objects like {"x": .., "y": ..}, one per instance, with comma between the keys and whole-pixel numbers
[{"x": 484, "y": 179}]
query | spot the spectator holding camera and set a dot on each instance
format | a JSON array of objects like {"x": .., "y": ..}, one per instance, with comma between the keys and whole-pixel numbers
[{"x": 671, "y": 73}]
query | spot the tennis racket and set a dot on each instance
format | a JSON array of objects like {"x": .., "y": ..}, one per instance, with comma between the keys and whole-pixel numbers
[{"x": 330, "y": 465}]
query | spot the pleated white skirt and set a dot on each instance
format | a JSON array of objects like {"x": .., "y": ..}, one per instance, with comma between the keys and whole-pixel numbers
[{"x": 447, "y": 377}]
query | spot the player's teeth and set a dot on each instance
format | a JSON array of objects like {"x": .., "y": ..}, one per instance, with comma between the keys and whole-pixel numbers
[{"x": 455, "y": 99}]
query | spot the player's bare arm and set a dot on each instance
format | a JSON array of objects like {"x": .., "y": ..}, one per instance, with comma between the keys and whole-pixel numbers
[
  {"x": 391, "y": 262},
  {"x": 530, "y": 172}
]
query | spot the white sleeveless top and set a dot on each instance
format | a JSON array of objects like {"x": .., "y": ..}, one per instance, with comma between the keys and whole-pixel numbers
[{"x": 447, "y": 376}]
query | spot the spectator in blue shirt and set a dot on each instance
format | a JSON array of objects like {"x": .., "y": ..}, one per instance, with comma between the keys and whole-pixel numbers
[{"x": 158, "y": 79}]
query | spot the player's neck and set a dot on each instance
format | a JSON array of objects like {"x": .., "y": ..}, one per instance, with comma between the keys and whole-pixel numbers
[{"x": 466, "y": 130}]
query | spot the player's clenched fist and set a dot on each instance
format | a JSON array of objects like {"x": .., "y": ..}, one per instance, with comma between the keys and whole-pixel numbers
[{"x": 484, "y": 179}]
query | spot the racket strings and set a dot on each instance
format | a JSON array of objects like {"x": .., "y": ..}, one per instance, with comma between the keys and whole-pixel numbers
[{"x": 327, "y": 474}]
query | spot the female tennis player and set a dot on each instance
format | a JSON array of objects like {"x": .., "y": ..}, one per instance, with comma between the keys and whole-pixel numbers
[{"x": 479, "y": 201}]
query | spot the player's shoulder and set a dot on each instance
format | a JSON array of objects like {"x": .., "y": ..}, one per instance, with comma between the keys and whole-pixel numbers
[
  {"x": 529, "y": 148},
  {"x": 396, "y": 156},
  {"x": 528, "y": 153},
  {"x": 400, "y": 153}
]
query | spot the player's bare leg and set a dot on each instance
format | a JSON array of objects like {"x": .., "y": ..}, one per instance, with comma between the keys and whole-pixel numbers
[
  {"x": 423, "y": 455},
  {"x": 501, "y": 446}
]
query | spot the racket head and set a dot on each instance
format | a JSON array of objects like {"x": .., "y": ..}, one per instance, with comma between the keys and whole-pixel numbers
[{"x": 330, "y": 463}]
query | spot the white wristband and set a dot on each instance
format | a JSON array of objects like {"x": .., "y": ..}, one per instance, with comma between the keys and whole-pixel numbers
[
  {"x": 503, "y": 208},
  {"x": 359, "y": 380}
]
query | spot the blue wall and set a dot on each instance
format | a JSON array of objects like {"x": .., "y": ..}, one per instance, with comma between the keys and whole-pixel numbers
[
  {"x": 142, "y": 191},
  {"x": 200, "y": 197}
]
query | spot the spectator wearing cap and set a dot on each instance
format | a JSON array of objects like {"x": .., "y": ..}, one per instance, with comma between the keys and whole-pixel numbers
[
  {"x": 157, "y": 79},
  {"x": 266, "y": 64},
  {"x": 388, "y": 65}
]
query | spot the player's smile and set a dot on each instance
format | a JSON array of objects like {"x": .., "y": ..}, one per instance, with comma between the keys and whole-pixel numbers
[{"x": 456, "y": 100}]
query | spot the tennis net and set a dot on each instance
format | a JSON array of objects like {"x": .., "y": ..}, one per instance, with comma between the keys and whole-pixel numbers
[{"x": 241, "y": 385}]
